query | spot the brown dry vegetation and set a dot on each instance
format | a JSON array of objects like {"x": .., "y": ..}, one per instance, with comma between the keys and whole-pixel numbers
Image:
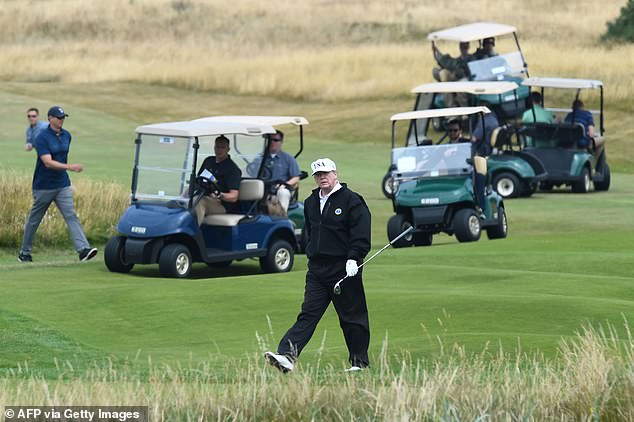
[
  {"x": 309, "y": 49},
  {"x": 98, "y": 205}
]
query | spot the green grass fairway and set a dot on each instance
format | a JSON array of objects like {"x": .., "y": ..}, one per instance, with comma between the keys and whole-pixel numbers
[{"x": 568, "y": 259}]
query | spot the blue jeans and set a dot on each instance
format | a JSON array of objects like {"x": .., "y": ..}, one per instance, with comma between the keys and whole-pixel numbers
[{"x": 42, "y": 199}]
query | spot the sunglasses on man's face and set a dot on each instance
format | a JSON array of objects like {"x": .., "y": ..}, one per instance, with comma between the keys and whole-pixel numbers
[
  {"x": 31, "y": 116},
  {"x": 454, "y": 130}
]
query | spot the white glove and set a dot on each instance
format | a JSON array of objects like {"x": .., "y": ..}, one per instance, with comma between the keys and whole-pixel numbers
[{"x": 351, "y": 268}]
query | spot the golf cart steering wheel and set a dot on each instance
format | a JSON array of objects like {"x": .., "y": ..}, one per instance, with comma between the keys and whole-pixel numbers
[
  {"x": 206, "y": 186},
  {"x": 271, "y": 185}
]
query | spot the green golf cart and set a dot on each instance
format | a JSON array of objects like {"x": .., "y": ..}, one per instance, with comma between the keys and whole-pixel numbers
[
  {"x": 437, "y": 186},
  {"x": 571, "y": 157}
]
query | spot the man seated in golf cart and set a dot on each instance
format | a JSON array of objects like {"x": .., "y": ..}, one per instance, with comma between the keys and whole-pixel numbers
[
  {"x": 486, "y": 50},
  {"x": 451, "y": 68},
  {"x": 282, "y": 173},
  {"x": 454, "y": 132},
  {"x": 580, "y": 115},
  {"x": 226, "y": 175}
]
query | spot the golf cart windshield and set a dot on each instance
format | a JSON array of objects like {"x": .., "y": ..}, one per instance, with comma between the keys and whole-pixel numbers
[
  {"x": 432, "y": 160},
  {"x": 165, "y": 162}
]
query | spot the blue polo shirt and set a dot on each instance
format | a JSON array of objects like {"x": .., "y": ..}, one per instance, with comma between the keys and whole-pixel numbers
[
  {"x": 281, "y": 167},
  {"x": 585, "y": 118},
  {"x": 33, "y": 132},
  {"x": 57, "y": 145}
]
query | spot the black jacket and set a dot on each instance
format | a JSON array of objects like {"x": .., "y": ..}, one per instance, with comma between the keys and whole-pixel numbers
[{"x": 342, "y": 230}]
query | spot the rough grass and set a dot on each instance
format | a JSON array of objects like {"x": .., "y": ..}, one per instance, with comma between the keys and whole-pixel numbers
[
  {"x": 590, "y": 380},
  {"x": 326, "y": 50},
  {"x": 98, "y": 205}
]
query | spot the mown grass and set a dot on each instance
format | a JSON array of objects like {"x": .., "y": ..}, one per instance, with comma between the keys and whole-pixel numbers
[{"x": 591, "y": 379}]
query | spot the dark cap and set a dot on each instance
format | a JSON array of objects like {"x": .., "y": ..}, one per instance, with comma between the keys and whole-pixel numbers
[
  {"x": 57, "y": 111},
  {"x": 489, "y": 40}
]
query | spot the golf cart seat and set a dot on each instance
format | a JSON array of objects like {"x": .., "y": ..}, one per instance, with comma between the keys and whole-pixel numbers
[
  {"x": 500, "y": 138},
  {"x": 480, "y": 165},
  {"x": 250, "y": 190},
  {"x": 550, "y": 135}
]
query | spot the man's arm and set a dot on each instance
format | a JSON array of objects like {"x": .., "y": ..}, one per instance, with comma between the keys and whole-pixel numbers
[
  {"x": 359, "y": 231},
  {"x": 48, "y": 161}
]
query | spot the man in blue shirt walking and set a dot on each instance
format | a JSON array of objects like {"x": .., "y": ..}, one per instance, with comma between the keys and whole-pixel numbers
[
  {"x": 34, "y": 128},
  {"x": 52, "y": 184}
]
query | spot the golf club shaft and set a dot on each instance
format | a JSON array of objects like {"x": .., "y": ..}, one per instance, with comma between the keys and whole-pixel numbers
[{"x": 378, "y": 252}]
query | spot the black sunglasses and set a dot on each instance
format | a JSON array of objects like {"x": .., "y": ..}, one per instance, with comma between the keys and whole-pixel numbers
[
  {"x": 31, "y": 116},
  {"x": 454, "y": 130}
]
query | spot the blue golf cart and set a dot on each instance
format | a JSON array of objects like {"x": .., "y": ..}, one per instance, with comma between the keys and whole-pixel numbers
[{"x": 160, "y": 225}]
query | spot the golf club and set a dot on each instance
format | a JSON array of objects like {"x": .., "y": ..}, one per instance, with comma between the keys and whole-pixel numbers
[{"x": 337, "y": 288}]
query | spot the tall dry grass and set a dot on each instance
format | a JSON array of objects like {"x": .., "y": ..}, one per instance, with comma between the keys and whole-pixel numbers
[
  {"x": 98, "y": 205},
  {"x": 325, "y": 50},
  {"x": 593, "y": 379}
]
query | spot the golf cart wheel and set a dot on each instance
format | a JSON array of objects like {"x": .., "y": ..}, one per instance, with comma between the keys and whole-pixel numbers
[
  {"x": 114, "y": 255},
  {"x": 583, "y": 185},
  {"x": 175, "y": 261},
  {"x": 423, "y": 238},
  {"x": 528, "y": 190},
  {"x": 387, "y": 186},
  {"x": 501, "y": 229},
  {"x": 507, "y": 185},
  {"x": 604, "y": 185},
  {"x": 220, "y": 264},
  {"x": 467, "y": 227},
  {"x": 279, "y": 258},
  {"x": 396, "y": 225}
]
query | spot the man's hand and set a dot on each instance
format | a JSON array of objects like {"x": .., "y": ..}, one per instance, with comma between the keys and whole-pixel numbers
[
  {"x": 75, "y": 167},
  {"x": 28, "y": 146},
  {"x": 351, "y": 268}
]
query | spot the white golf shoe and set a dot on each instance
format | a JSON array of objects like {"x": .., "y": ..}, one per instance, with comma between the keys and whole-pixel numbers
[
  {"x": 281, "y": 362},
  {"x": 354, "y": 369}
]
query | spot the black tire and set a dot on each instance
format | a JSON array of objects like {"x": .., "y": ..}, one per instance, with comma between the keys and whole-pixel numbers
[
  {"x": 500, "y": 230},
  {"x": 220, "y": 264},
  {"x": 387, "y": 186},
  {"x": 528, "y": 190},
  {"x": 507, "y": 184},
  {"x": 114, "y": 257},
  {"x": 396, "y": 225},
  {"x": 279, "y": 258},
  {"x": 423, "y": 238},
  {"x": 467, "y": 226},
  {"x": 175, "y": 260},
  {"x": 583, "y": 185},
  {"x": 604, "y": 185}
]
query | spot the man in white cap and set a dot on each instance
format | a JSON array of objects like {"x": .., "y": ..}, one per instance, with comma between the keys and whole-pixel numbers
[{"x": 337, "y": 226}]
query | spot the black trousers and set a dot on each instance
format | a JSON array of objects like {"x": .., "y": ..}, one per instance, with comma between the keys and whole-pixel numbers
[{"x": 351, "y": 307}]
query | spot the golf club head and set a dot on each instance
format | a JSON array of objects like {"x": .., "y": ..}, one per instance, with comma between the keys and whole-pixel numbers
[{"x": 337, "y": 289}]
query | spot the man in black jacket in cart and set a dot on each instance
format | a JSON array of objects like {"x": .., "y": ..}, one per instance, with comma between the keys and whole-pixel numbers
[{"x": 337, "y": 224}]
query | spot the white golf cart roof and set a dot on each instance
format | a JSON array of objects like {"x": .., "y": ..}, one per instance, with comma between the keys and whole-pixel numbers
[
  {"x": 261, "y": 120},
  {"x": 472, "y": 32},
  {"x": 439, "y": 112},
  {"x": 470, "y": 87},
  {"x": 568, "y": 83},
  {"x": 204, "y": 128}
]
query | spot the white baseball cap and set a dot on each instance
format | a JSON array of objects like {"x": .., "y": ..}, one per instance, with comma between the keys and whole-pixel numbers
[{"x": 323, "y": 165}]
